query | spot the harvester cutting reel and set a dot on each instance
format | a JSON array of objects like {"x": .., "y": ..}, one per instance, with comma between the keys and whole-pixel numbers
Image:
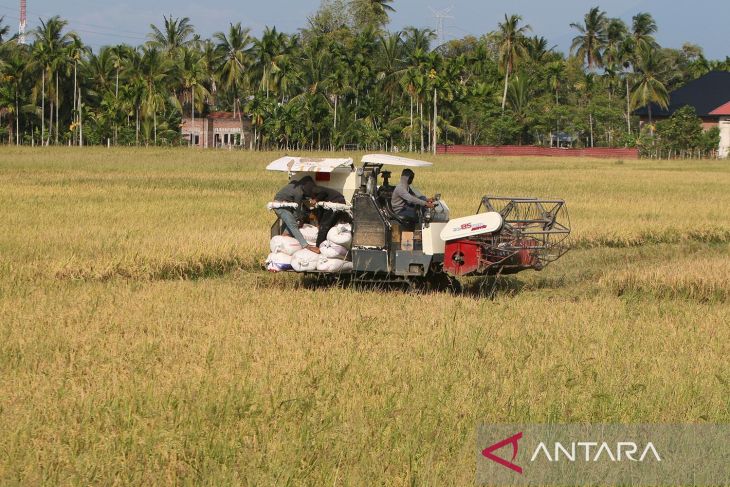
[{"x": 506, "y": 236}]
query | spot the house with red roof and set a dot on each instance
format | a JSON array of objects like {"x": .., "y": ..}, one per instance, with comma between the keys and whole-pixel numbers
[{"x": 710, "y": 97}]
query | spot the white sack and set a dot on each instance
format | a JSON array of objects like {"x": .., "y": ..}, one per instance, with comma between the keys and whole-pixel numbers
[
  {"x": 278, "y": 261},
  {"x": 332, "y": 250},
  {"x": 304, "y": 261},
  {"x": 341, "y": 234},
  {"x": 333, "y": 265},
  {"x": 275, "y": 205},
  {"x": 310, "y": 233},
  {"x": 284, "y": 244}
]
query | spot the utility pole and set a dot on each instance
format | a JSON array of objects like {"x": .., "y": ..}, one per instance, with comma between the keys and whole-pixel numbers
[{"x": 440, "y": 16}]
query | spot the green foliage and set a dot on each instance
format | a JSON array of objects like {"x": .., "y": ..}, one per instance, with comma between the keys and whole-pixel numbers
[
  {"x": 681, "y": 136},
  {"x": 344, "y": 81}
]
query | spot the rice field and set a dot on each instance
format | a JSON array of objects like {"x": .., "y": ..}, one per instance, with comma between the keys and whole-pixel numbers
[{"x": 142, "y": 344}]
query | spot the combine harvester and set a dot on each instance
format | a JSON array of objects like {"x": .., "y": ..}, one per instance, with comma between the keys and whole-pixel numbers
[{"x": 505, "y": 236}]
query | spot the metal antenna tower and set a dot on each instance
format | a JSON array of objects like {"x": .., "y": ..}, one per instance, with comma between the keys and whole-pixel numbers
[
  {"x": 440, "y": 16},
  {"x": 21, "y": 27}
]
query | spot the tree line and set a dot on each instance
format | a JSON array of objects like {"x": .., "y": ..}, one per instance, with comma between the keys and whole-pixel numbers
[{"x": 344, "y": 81}]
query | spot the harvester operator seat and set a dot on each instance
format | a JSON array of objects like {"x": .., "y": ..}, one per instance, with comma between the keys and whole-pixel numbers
[{"x": 385, "y": 193}]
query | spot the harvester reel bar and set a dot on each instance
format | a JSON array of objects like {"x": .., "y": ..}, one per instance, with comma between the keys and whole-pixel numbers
[{"x": 539, "y": 226}]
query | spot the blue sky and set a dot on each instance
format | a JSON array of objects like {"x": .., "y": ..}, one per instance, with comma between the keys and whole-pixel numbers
[{"x": 703, "y": 22}]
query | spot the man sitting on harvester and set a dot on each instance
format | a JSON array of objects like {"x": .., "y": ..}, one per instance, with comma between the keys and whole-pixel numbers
[
  {"x": 404, "y": 201},
  {"x": 326, "y": 218},
  {"x": 296, "y": 192}
]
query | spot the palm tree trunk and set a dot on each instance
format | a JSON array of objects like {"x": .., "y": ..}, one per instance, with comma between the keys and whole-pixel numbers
[
  {"x": 410, "y": 136},
  {"x": 57, "y": 102},
  {"x": 504, "y": 94},
  {"x": 17, "y": 120},
  {"x": 628, "y": 106},
  {"x": 154, "y": 117},
  {"x": 420, "y": 123},
  {"x": 136, "y": 126},
  {"x": 590, "y": 121},
  {"x": 428, "y": 142},
  {"x": 11, "y": 128},
  {"x": 81, "y": 121},
  {"x": 50, "y": 124},
  {"x": 192, "y": 112},
  {"x": 651, "y": 125},
  {"x": 73, "y": 137},
  {"x": 435, "y": 119},
  {"x": 266, "y": 79},
  {"x": 43, "y": 106},
  {"x": 334, "y": 125}
]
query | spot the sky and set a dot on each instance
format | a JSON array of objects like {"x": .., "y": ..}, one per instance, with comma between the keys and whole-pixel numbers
[{"x": 100, "y": 22}]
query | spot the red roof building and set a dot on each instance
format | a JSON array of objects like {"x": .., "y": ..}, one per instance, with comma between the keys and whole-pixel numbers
[
  {"x": 722, "y": 111},
  {"x": 710, "y": 97}
]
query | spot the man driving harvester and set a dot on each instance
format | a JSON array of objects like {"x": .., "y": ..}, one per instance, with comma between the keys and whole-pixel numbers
[{"x": 404, "y": 202}]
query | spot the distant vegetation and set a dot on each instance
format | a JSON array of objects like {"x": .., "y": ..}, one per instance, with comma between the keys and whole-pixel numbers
[{"x": 344, "y": 80}]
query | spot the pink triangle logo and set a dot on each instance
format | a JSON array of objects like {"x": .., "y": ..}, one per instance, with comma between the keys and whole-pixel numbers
[{"x": 488, "y": 452}]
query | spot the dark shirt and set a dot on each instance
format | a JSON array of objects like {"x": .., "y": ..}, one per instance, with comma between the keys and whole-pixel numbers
[
  {"x": 297, "y": 191},
  {"x": 330, "y": 195}
]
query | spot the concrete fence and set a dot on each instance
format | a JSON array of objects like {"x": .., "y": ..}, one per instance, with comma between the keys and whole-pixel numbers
[{"x": 529, "y": 150}]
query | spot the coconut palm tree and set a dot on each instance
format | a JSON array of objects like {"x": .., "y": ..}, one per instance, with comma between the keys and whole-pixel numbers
[
  {"x": 154, "y": 69},
  {"x": 614, "y": 52},
  {"x": 555, "y": 72},
  {"x": 415, "y": 38},
  {"x": 76, "y": 52},
  {"x": 591, "y": 39},
  {"x": 12, "y": 75},
  {"x": 408, "y": 83},
  {"x": 133, "y": 91},
  {"x": 287, "y": 70},
  {"x": 586, "y": 86},
  {"x": 268, "y": 51},
  {"x": 520, "y": 102},
  {"x": 234, "y": 50},
  {"x": 192, "y": 73},
  {"x": 50, "y": 52},
  {"x": 175, "y": 34},
  {"x": 511, "y": 43},
  {"x": 648, "y": 88},
  {"x": 118, "y": 53},
  {"x": 100, "y": 70},
  {"x": 211, "y": 62},
  {"x": 536, "y": 48},
  {"x": 643, "y": 28}
]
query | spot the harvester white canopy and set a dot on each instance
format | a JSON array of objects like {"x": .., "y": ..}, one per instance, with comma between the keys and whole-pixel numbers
[
  {"x": 387, "y": 159},
  {"x": 308, "y": 164}
]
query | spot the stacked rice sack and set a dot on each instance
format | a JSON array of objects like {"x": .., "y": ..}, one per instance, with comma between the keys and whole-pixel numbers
[
  {"x": 288, "y": 254},
  {"x": 334, "y": 250},
  {"x": 283, "y": 247}
]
